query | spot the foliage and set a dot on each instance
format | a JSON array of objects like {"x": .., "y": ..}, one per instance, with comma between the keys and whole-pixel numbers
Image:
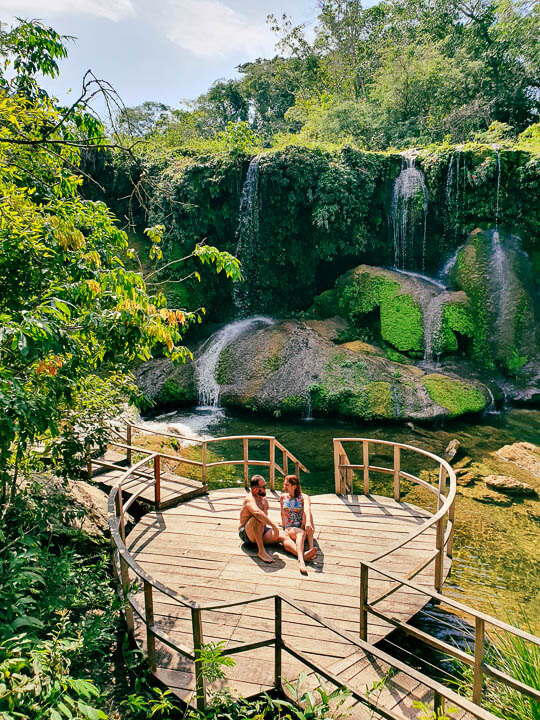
[
  {"x": 517, "y": 658},
  {"x": 454, "y": 395}
]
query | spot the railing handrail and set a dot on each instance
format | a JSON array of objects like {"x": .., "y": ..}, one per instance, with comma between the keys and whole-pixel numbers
[{"x": 500, "y": 624}]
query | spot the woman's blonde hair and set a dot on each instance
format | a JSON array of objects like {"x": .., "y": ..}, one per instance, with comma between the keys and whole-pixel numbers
[{"x": 293, "y": 480}]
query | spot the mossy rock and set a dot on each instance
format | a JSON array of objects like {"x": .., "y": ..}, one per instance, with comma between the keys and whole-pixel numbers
[
  {"x": 325, "y": 305},
  {"x": 456, "y": 396},
  {"x": 362, "y": 290},
  {"x": 173, "y": 394},
  {"x": 498, "y": 280}
]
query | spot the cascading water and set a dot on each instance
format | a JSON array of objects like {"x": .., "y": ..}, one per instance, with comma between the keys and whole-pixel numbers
[
  {"x": 448, "y": 267},
  {"x": 247, "y": 245},
  {"x": 409, "y": 215},
  {"x": 206, "y": 365},
  {"x": 502, "y": 305},
  {"x": 419, "y": 276},
  {"x": 433, "y": 315},
  {"x": 498, "y": 190}
]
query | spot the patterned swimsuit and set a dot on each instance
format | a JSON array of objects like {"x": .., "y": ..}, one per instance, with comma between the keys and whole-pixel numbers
[{"x": 294, "y": 511}]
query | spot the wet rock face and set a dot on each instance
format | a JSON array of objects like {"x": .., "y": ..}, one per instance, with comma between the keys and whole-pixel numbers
[
  {"x": 290, "y": 368},
  {"x": 509, "y": 486},
  {"x": 498, "y": 280}
]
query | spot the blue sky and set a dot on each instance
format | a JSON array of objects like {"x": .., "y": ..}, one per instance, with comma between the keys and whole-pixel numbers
[{"x": 164, "y": 50}]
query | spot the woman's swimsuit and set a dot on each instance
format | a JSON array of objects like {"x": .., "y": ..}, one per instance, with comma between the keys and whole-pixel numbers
[{"x": 293, "y": 508}]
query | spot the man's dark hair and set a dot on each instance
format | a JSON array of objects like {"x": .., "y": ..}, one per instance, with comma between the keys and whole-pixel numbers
[{"x": 255, "y": 480}]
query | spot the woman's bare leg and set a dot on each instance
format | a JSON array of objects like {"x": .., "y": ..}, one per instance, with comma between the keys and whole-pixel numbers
[{"x": 300, "y": 537}]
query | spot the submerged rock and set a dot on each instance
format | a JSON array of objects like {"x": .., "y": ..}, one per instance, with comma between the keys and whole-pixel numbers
[
  {"x": 526, "y": 455},
  {"x": 489, "y": 497},
  {"x": 509, "y": 486}
]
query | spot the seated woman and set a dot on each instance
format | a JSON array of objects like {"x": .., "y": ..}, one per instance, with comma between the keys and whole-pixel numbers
[{"x": 297, "y": 519}]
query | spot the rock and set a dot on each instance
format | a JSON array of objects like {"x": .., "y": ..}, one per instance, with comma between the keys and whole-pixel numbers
[
  {"x": 460, "y": 465},
  {"x": 499, "y": 280},
  {"x": 488, "y": 497},
  {"x": 404, "y": 300},
  {"x": 94, "y": 503},
  {"x": 279, "y": 368},
  {"x": 526, "y": 455},
  {"x": 534, "y": 513},
  {"x": 509, "y": 486},
  {"x": 466, "y": 479},
  {"x": 451, "y": 449}
]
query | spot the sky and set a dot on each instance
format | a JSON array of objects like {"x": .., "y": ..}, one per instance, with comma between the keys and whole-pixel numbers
[{"x": 163, "y": 50}]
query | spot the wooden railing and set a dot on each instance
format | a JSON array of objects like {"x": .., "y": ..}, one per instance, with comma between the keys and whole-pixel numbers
[
  {"x": 276, "y": 451},
  {"x": 444, "y": 494},
  {"x": 131, "y": 576},
  {"x": 476, "y": 659}
]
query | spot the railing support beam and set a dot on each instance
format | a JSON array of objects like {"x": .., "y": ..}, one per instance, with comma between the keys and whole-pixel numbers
[
  {"x": 278, "y": 641},
  {"x": 478, "y": 678},
  {"x": 157, "y": 480},
  {"x": 128, "y": 443},
  {"x": 365, "y": 460},
  {"x": 200, "y": 689},
  {"x": 149, "y": 619},
  {"x": 272, "y": 459},
  {"x": 363, "y": 601}
]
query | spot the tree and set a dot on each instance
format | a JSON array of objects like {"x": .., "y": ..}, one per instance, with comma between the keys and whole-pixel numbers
[{"x": 73, "y": 319}]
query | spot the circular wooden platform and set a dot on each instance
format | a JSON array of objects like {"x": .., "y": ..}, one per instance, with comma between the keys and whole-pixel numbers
[{"x": 194, "y": 549}]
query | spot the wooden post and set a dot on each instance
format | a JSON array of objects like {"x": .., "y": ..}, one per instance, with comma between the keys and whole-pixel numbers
[
  {"x": 337, "y": 470},
  {"x": 124, "y": 579},
  {"x": 272, "y": 463},
  {"x": 363, "y": 601},
  {"x": 120, "y": 513},
  {"x": 439, "y": 558},
  {"x": 349, "y": 479},
  {"x": 89, "y": 469},
  {"x": 285, "y": 463},
  {"x": 438, "y": 704},
  {"x": 149, "y": 620},
  {"x": 442, "y": 485},
  {"x": 277, "y": 642},
  {"x": 365, "y": 455},
  {"x": 203, "y": 468},
  {"x": 397, "y": 468},
  {"x": 157, "y": 480},
  {"x": 297, "y": 469},
  {"x": 196, "y": 624},
  {"x": 246, "y": 465},
  {"x": 128, "y": 443},
  {"x": 479, "y": 632},
  {"x": 451, "y": 515}
]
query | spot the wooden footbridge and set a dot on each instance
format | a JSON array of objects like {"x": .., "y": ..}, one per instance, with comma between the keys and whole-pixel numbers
[{"x": 187, "y": 581}]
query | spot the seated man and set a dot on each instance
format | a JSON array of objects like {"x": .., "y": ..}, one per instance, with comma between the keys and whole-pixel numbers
[{"x": 256, "y": 528}]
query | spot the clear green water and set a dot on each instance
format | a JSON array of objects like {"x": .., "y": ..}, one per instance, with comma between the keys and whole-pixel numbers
[{"x": 496, "y": 561}]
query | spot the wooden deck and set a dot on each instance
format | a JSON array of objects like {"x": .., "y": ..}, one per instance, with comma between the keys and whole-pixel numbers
[{"x": 194, "y": 549}]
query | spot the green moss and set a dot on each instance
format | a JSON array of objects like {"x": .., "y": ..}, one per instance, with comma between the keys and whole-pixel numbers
[
  {"x": 293, "y": 405},
  {"x": 173, "y": 393},
  {"x": 456, "y": 318},
  {"x": 379, "y": 397},
  {"x": 456, "y": 396},
  {"x": 225, "y": 366},
  {"x": 325, "y": 305},
  {"x": 272, "y": 363},
  {"x": 401, "y": 320},
  {"x": 396, "y": 356}
]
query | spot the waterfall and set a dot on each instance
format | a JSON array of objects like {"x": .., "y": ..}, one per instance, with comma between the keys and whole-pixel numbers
[
  {"x": 207, "y": 363},
  {"x": 433, "y": 315},
  {"x": 419, "y": 276},
  {"x": 498, "y": 190},
  {"x": 448, "y": 267},
  {"x": 409, "y": 208},
  {"x": 308, "y": 410},
  {"x": 500, "y": 275},
  {"x": 247, "y": 241}
]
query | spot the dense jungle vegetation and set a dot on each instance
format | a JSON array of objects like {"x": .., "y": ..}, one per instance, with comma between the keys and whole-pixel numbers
[{"x": 77, "y": 311}]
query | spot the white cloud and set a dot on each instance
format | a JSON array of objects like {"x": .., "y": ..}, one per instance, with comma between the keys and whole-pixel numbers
[
  {"x": 209, "y": 28},
  {"x": 109, "y": 9}
]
